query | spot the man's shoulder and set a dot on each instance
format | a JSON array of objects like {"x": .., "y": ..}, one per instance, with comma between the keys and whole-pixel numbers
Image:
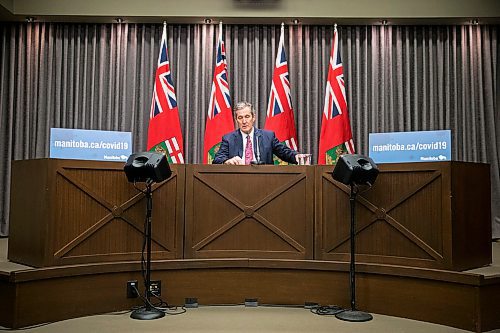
[
  {"x": 231, "y": 134},
  {"x": 265, "y": 132}
]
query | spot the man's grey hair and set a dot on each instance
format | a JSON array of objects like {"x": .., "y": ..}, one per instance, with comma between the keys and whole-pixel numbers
[{"x": 242, "y": 105}]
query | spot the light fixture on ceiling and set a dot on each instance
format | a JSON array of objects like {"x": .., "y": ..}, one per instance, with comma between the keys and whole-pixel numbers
[
  {"x": 295, "y": 21},
  {"x": 119, "y": 20},
  {"x": 474, "y": 21},
  {"x": 208, "y": 20},
  {"x": 384, "y": 22},
  {"x": 30, "y": 19}
]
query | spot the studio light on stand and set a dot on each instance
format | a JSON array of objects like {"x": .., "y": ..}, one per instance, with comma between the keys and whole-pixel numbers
[
  {"x": 148, "y": 168},
  {"x": 354, "y": 170}
]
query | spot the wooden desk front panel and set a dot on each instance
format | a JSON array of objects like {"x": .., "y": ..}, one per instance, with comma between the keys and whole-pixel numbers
[
  {"x": 86, "y": 211},
  {"x": 406, "y": 218},
  {"x": 434, "y": 215},
  {"x": 249, "y": 211}
]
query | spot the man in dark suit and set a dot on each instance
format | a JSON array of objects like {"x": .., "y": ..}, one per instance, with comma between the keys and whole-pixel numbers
[{"x": 251, "y": 145}]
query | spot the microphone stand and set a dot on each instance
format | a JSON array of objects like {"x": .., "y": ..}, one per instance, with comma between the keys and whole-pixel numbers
[
  {"x": 148, "y": 312},
  {"x": 257, "y": 151},
  {"x": 353, "y": 315}
]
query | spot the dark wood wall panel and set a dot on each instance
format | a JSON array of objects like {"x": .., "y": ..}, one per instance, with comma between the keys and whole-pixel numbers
[
  {"x": 8, "y": 301},
  {"x": 471, "y": 208},
  {"x": 433, "y": 215},
  {"x": 431, "y": 301},
  {"x": 249, "y": 212},
  {"x": 488, "y": 304},
  {"x": 462, "y": 300},
  {"x": 419, "y": 214},
  {"x": 86, "y": 211}
]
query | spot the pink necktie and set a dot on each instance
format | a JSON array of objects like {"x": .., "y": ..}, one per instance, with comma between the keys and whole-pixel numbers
[{"x": 248, "y": 151}]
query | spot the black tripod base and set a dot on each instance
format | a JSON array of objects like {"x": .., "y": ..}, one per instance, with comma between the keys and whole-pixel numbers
[
  {"x": 353, "y": 315},
  {"x": 145, "y": 314}
]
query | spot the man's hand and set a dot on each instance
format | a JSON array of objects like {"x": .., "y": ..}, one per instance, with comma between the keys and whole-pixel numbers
[
  {"x": 303, "y": 159},
  {"x": 235, "y": 161}
]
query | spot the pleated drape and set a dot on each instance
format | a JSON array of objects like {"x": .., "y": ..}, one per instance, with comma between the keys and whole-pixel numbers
[{"x": 100, "y": 76}]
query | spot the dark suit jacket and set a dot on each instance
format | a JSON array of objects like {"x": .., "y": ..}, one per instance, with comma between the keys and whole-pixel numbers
[{"x": 232, "y": 145}]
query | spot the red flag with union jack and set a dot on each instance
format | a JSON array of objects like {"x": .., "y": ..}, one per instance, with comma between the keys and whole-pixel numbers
[
  {"x": 164, "y": 131},
  {"x": 220, "y": 117},
  {"x": 336, "y": 135},
  {"x": 279, "y": 109}
]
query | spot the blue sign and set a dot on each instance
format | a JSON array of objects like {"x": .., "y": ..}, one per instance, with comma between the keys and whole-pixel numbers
[
  {"x": 90, "y": 145},
  {"x": 418, "y": 146}
]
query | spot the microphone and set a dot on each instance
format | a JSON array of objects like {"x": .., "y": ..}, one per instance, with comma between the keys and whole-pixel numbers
[{"x": 257, "y": 151}]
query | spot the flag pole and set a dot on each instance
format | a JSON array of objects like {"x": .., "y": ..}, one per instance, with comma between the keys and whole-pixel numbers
[
  {"x": 220, "y": 30},
  {"x": 219, "y": 120}
]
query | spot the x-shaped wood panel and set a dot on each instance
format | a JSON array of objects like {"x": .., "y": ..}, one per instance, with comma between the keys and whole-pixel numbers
[
  {"x": 114, "y": 211},
  {"x": 382, "y": 213},
  {"x": 249, "y": 212}
]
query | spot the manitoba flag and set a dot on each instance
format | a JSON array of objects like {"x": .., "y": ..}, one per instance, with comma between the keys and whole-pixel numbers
[
  {"x": 220, "y": 118},
  {"x": 336, "y": 135},
  {"x": 164, "y": 131},
  {"x": 279, "y": 110}
]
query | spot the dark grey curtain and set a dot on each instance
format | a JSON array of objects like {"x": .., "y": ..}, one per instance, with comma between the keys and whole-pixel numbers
[{"x": 100, "y": 76}]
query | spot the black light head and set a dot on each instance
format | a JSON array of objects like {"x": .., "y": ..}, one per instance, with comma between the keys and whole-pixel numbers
[
  {"x": 147, "y": 167},
  {"x": 354, "y": 169}
]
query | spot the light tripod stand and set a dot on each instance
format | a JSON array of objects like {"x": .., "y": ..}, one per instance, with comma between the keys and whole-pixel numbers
[
  {"x": 353, "y": 314},
  {"x": 147, "y": 167},
  {"x": 148, "y": 311},
  {"x": 354, "y": 170}
]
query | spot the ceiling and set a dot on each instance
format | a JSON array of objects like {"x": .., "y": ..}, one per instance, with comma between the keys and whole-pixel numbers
[{"x": 323, "y": 12}]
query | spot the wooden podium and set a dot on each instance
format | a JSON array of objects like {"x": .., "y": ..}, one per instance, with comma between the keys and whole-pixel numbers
[
  {"x": 249, "y": 212},
  {"x": 222, "y": 234},
  {"x": 432, "y": 215},
  {"x": 73, "y": 212},
  {"x": 429, "y": 215}
]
